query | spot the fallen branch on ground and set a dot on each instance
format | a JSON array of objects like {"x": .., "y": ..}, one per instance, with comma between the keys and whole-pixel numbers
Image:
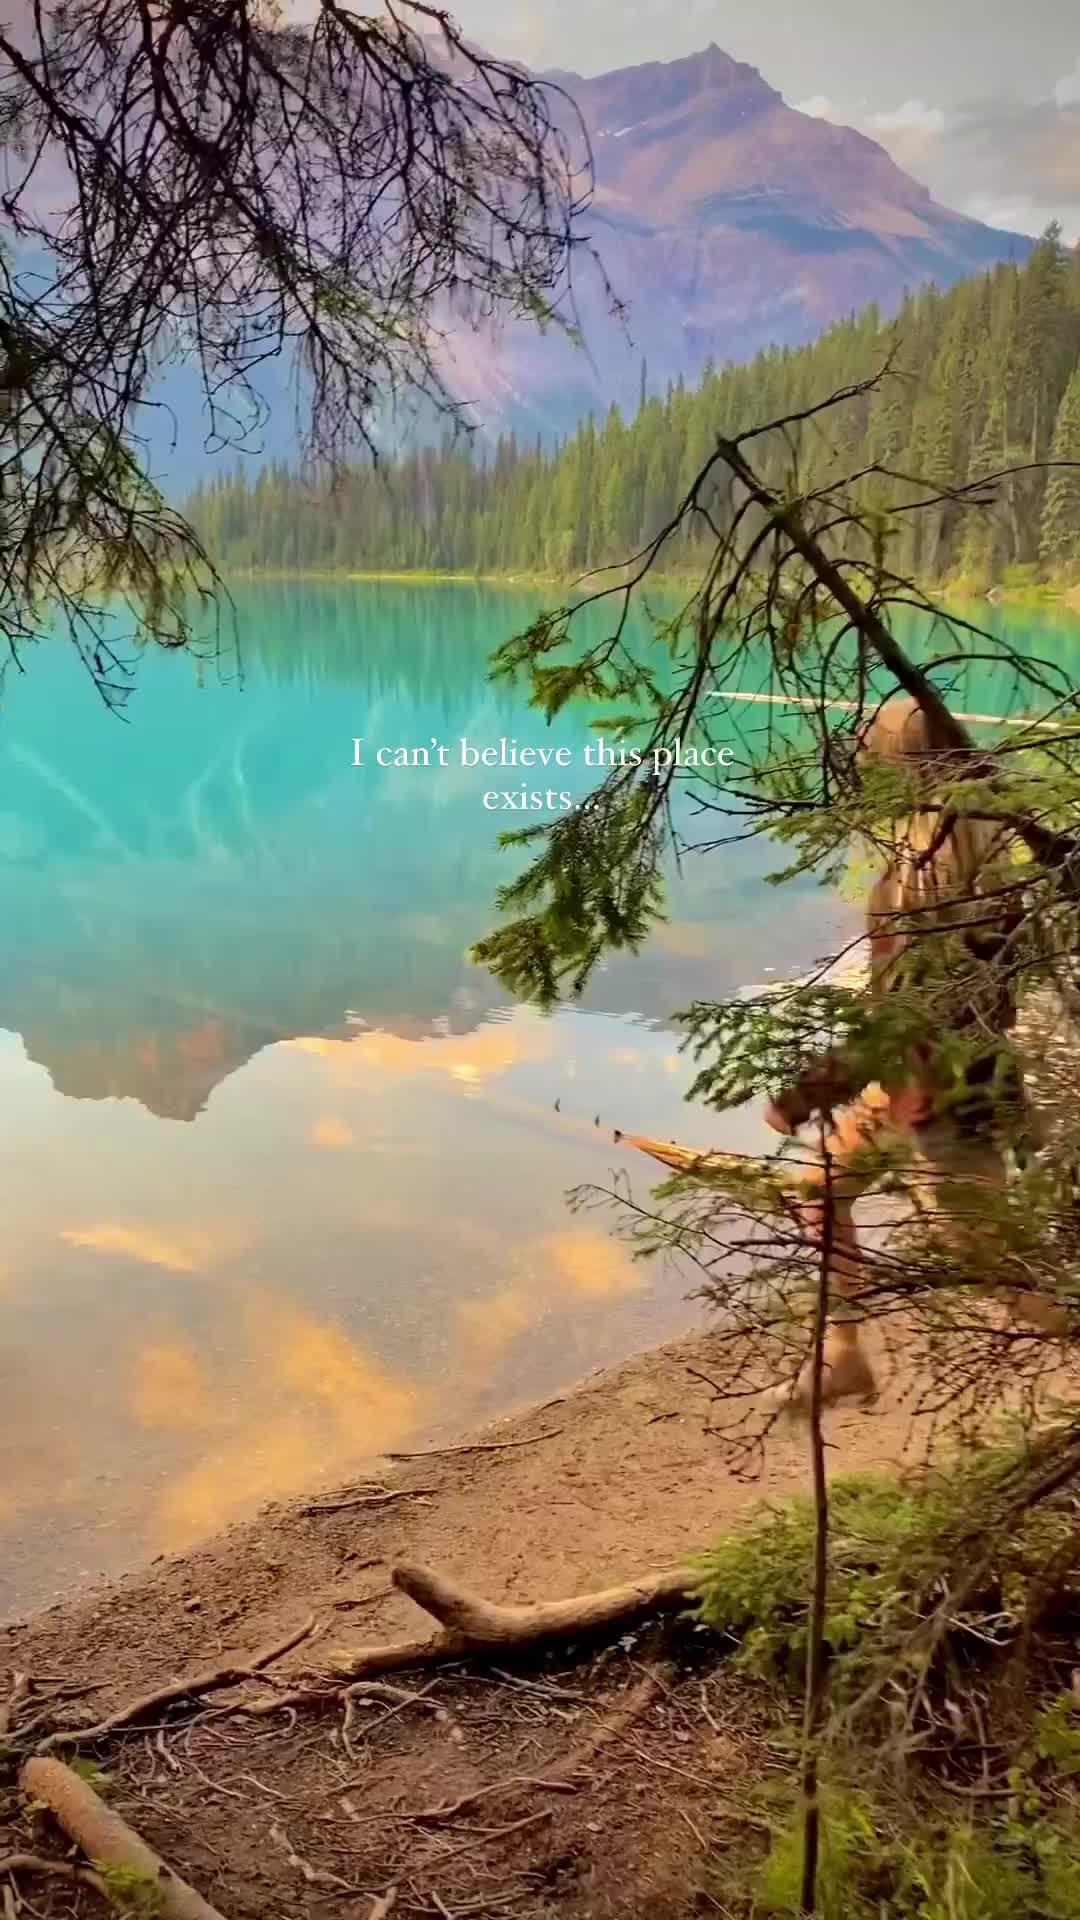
[
  {"x": 472, "y": 1625},
  {"x": 212, "y": 1680},
  {"x": 120, "y": 1856}
]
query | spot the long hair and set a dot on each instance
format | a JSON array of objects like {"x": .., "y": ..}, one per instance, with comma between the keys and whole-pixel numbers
[{"x": 939, "y": 870}]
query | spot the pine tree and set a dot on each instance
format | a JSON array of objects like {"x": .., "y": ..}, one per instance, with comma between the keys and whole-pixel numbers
[
  {"x": 978, "y": 382},
  {"x": 1060, "y": 541}
]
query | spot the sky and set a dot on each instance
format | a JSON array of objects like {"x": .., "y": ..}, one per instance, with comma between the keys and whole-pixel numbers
[{"x": 979, "y": 99}]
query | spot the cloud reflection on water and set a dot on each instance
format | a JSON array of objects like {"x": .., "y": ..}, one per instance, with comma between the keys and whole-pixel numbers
[
  {"x": 272, "y": 1315},
  {"x": 284, "y": 1176}
]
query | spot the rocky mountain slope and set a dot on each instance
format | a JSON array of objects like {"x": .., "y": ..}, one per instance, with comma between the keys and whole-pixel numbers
[{"x": 726, "y": 220}]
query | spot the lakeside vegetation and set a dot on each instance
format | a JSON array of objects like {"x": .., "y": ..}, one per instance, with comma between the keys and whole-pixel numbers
[{"x": 985, "y": 377}]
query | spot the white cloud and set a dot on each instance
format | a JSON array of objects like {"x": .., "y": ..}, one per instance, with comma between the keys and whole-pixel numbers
[
  {"x": 1011, "y": 163},
  {"x": 910, "y": 117},
  {"x": 1067, "y": 91},
  {"x": 1018, "y": 213},
  {"x": 819, "y": 107},
  {"x": 914, "y": 116}
]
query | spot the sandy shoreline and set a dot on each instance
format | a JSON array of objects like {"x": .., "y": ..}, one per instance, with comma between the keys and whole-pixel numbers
[
  {"x": 617, "y": 1476},
  {"x": 620, "y": 1474},
  {"x": 596, "y": 1782}
]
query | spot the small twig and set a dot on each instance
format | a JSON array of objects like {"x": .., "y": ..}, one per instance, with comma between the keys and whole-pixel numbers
[
  {"x": 499, "y": 1833},
  {"x": 431, "y": 1816},
  {"x": 477, "y": 1446},
  {"x": 313, "y": 1876},
  {"x": 695, "y": 1830},
  {"x": 368, "y": 1500},
  {"x": 397, "y": 1696},
  {"x": 383, "y": 1904},
  {"x": 403, "y": 1700},
  {"x": 274, "y": 1792},
  {"x": 980, "y": 1792},
  {"x": 547, "y": 1689},
  {"x": 707, "y": 1712},
  {"x": 269, "y": 1703},
  {"x": 664, "y": 1766}
]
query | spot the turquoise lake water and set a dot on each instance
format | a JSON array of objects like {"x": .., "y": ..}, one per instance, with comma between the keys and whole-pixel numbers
[{"x": 285, "y": 1180}]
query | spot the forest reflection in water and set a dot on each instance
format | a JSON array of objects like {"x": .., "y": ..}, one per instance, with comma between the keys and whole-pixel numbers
[{"x": 285, "y": 1179}]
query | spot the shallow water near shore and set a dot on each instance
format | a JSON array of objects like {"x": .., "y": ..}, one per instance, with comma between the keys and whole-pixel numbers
[{"x": 285, "y": 1175}]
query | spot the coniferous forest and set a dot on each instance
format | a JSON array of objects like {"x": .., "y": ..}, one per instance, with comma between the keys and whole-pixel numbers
[{"x": 982, "y": 378}]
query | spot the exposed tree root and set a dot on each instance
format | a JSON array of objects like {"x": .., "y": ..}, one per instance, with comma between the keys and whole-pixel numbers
[
  {"x": 20, "y": 1691},
  {"x": 636, "y": 1702},
  {"x": 212, "y": 1680},
  {"x": 472, "y": 1625},
  {"x": 16, "y": 1863},
  {"x": 569, "y": 1775},
  {"x": 122, "y": 1860},
  {"x": 398, "y": 1700}
]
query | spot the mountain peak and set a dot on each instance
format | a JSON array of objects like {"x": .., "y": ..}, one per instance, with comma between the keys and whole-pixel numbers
[
  {"x": 728, "y": 221},
  {"x": 659, "y": 87}
]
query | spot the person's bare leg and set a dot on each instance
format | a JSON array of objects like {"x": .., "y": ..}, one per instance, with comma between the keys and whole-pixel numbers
[
  {"x": 846, "y": 1371},
  {"x": 958, "y": 1169}
]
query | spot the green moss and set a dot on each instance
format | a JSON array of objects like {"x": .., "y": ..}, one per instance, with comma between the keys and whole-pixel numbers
[
  {"x": 1057, "y": 1735},
  {"x": 873, "y": 1865},
  {"x": 89, "y": 1771},
  {"x": 893, "y": 1538},
  {"x": 755, "y": 1585},
  {"x": 133, "y": 1893}
]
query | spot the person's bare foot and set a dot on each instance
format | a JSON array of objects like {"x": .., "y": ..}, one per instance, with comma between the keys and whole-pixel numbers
[{"x": 846, "y": 1375}]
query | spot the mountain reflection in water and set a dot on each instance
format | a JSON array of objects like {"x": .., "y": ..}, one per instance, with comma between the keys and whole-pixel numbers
[{"x": 286, "y": 1182}]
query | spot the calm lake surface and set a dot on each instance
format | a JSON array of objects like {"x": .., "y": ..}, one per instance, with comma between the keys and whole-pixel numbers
[{"x": 284, "y": 1179}]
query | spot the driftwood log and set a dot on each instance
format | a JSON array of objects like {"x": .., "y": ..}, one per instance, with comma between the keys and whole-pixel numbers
[
  {"x": 471, "y": 1625},
  {"x": 110, "y": 1844}
]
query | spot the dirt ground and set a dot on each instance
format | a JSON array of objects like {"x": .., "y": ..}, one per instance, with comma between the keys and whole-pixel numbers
[{"x": 293, "y": 1815}]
